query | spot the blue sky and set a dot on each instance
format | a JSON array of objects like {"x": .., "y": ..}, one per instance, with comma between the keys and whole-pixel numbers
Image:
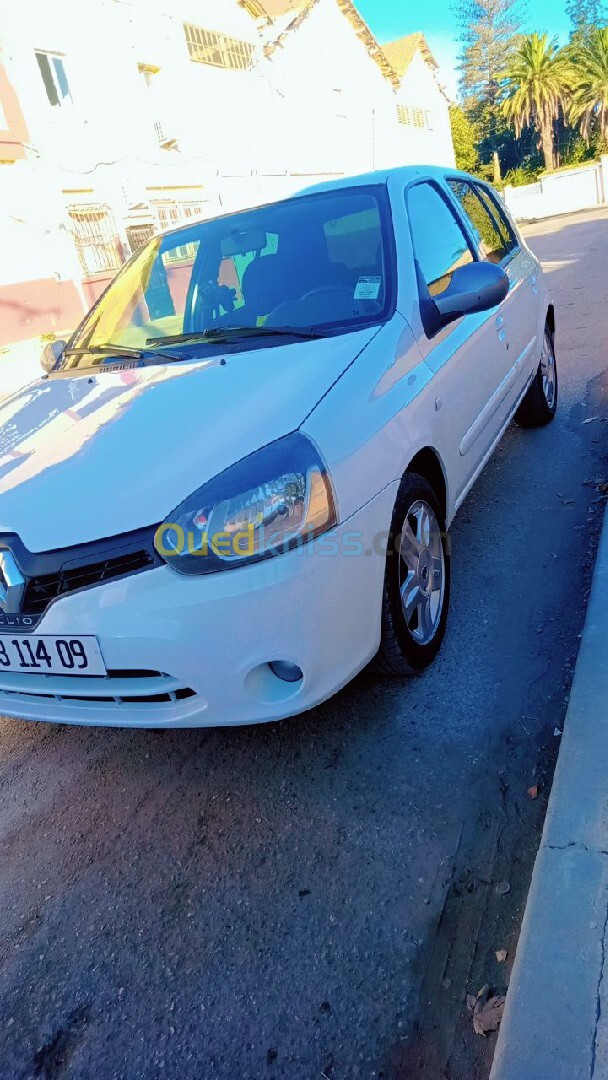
[{"x": 393, "y": 18}]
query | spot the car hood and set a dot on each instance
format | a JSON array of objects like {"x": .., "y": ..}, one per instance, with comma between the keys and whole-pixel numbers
[{"x": 89, "y": 456}]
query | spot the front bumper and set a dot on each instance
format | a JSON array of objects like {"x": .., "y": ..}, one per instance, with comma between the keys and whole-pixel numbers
[{"x": 194, "y": 651}]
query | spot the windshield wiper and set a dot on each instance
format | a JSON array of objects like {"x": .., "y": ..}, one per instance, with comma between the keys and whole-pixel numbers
[
  {"x": 223, "y": 334},
  {"x": 124, "y": 350}
]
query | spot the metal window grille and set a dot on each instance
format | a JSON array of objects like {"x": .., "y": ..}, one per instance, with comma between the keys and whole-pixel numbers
[
  {"x": 419, "y": 118},
  {"x": 219, "y": 50},
  {"x": 96, "y": 238},
  {"x": 403, "y": 115},
  {"x": 138, "y": 235}
]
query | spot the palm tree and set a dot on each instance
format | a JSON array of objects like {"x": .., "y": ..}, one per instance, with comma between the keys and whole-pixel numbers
[
  {"x": 590, "y": 89},
  {"x": 536, "y": 83}
]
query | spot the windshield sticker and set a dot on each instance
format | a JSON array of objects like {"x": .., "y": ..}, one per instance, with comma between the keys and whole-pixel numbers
[{"x": 368, "y": 288}]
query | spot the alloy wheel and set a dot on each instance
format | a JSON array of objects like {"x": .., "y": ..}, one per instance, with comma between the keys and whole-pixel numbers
[
  {"x": 421, "y": 572},
  {"x": 548, "y": 371}
]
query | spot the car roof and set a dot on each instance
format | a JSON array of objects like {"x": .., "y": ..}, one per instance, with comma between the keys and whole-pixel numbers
[{"x": 405, "y": 173}]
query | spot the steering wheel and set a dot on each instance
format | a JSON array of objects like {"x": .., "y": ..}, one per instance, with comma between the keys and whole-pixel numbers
[{"x": 323, "y": 290}]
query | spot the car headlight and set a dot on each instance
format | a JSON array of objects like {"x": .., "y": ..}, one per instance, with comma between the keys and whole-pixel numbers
[{"x": 278, "y": 498}]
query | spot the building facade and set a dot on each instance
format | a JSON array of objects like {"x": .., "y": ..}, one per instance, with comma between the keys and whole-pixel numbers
[{"x": 122, "y": 117}]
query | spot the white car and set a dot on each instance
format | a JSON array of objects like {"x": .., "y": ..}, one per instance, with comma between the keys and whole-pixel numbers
[{"x": 231, "y": 489}]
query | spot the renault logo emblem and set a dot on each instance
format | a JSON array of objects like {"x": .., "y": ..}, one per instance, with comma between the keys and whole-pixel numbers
[{"x": 12, "y": 584}]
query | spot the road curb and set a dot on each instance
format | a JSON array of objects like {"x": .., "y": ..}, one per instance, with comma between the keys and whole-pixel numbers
[{"x": 555, "y": 1025}]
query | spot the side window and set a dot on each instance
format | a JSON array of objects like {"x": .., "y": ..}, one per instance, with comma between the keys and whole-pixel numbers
[
  {"x": 495, "y": 240},
  {"x": 492, "y": 202},
  {"x": 440, "y": 245}
]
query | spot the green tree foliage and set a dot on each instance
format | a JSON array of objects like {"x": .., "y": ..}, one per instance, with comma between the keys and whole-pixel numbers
[
  {"x": 585, "y": 16},
  {"x": 589, "y": 103},
  {"x": 522, "y": 94},
  {"x": 521, "y": 175},
  {"x": 488, "y": 28},
  {"x": 495, "y": 136},
  {"x": 465, "y": 137},
  {"x": 537, "y": 80}
]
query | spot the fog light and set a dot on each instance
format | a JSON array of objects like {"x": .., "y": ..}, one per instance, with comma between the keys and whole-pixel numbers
[{"x": 287, "y": 672}]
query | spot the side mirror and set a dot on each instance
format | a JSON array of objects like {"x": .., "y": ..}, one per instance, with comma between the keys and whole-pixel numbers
[
  {"x": 477, "y": 286},
  {"x": 51, "y": 353}
]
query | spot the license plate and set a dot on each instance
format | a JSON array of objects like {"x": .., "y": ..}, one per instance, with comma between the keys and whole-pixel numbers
[{"x": 51, "y": 655}]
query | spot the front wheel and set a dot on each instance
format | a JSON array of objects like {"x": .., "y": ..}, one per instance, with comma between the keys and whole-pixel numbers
[
  {"x": 417, "y": 581},
  {"x": 539, "y": 405}
]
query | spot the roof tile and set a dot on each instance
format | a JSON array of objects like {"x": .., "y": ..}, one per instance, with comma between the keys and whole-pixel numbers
[{"x": 400, "y": 53}]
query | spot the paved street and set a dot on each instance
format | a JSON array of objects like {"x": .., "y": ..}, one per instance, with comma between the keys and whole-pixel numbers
[{"x": 315, "y": 898}]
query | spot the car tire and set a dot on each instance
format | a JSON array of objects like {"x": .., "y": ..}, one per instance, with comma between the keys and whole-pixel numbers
[
  {"x": 540, "y": 403},
  {"x": 417, "y": 581}
]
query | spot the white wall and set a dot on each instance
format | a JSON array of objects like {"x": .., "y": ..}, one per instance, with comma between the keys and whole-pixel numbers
[
  {"x": 332, "y": 91},
  {"x": 431, "y": 145},
  {"x": 102, "y": 41},
  {"x": 560, "y": 193},
  {"x": 319, "y": 106},
  {"x": 341, "y": 112},
  {"x": 34, "y": 240}
]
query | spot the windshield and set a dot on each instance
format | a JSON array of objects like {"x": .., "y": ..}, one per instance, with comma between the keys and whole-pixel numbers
[{"x": 307, "y": 266}]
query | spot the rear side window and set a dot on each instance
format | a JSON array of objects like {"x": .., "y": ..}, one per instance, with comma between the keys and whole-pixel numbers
[
  {"x": 492, "y": 202},
  {"x": 496, "y": 240},
  {"x": 440, "y": 245}
]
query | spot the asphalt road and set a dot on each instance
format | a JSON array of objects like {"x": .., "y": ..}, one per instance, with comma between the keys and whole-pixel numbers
[{"x": 315, "y": 898}]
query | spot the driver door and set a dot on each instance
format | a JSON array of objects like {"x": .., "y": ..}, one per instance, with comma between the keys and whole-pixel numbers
[{"x": 469, "y": 357}]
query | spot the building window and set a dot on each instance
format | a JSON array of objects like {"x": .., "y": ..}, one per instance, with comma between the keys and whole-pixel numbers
[
  {"x": 96, "y": 238},
  {"x": 52, "y": 70},
  {"x": 413, "y": 117},
  {"x": 170, "y": 214},
  {"x": 218, "y": 50}
]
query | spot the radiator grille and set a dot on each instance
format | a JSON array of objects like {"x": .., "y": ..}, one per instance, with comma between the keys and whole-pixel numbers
[{"x": 40, "y": 591}]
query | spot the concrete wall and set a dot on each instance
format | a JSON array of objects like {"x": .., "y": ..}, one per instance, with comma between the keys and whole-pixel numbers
[
  {"x": 40, "y": 287},
  {"x": 112, "y": 114},
  {"x": 14, "y": 135},
  {"x": 334, "y": 110},
  {"x": 560, "y": 193}
]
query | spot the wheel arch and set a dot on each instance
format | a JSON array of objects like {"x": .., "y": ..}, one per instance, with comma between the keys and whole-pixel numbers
[
  {"x": 550, "y": 319},
  {"x": 428, "y": 464}
]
